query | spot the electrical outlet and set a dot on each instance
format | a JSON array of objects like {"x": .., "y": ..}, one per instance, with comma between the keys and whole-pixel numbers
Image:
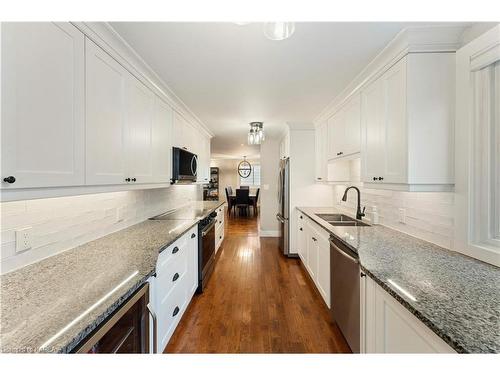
[
  {"x": 402, "y": 215},
  {"x": 23, "y": 239}
]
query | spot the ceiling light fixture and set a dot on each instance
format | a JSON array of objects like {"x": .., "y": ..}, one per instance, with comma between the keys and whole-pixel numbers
[
  {"x": 279, "y": 30},
  {"x": 275, "y": 30},
  {"x": 256, "y": 134}
]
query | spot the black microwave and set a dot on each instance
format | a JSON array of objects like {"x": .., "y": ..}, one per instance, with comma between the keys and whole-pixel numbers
[{"x": 184, "y": 165}]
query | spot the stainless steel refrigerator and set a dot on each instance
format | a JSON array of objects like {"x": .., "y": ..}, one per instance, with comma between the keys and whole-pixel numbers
[{"x": 283, "y": 214}]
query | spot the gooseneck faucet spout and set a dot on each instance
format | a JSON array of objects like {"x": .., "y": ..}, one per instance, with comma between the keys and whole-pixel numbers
[{"x": 359, "y": 213}]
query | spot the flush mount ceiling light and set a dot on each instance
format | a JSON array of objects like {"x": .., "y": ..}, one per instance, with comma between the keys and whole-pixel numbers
[
  {"x": 275, "y": 30},
  {"x": 279, "y": 30},
  {"x": 256, "y": 134}
]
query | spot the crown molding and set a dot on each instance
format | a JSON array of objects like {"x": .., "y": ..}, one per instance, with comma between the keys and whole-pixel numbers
[
  {"x": 106, "y": 37},
  {"x": 409, "y": 40}
]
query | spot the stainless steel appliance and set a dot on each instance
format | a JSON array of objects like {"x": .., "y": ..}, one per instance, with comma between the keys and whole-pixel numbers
[
  {"x": 344, "y": 289},
  {"x": 206, "y": 250},
  {"x": 283, "y": 215},
  {"x": 184, "y": 165}
]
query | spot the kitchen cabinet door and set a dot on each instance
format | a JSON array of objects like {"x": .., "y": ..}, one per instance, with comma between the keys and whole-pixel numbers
[
  {"x": 335, "y": 134},
  {"x": 352, "y": 127},
  {"x": 162, "y": 141},
  {"x": 393, "y": 138},
  {"x": 312, "y": 252},
  {"x": 192, "y": 274},
  {"x": 139, "y": 104},
  {"x": 323, "y": 276},
  {"x": 321, "y": 168},
  {"x": 372, "y": 117},
  {"x": 106, "y": 125},
  {"x": 42, "y": 85},
  {"x": 204, "y": 159},
  {"x": 302, "y": 238}
]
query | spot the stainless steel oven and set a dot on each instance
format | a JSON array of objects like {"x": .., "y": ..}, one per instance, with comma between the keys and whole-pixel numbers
[
  {"x": 206, "y": 250},
  {"x": 344, "y": 289}
]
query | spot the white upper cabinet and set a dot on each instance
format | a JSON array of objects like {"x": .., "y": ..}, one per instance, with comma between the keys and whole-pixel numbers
[
  {"x": 321, "y": 168},
  {"x": 106, "y": 125},
  {"x": 204, "y": 159},
  {"x": 42, "y": 121},
  {"x": 129, "y": 129},
  {"x": 407, "y": 124},
  {"x": 139, "y": 105},
  {"x": 344, "y": 129},
  {"x": 162, "y": 141}
]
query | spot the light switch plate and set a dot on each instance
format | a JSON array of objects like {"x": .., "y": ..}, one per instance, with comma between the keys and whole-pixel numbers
[
  {"x": 402, "y": 215},
  {"x": 23, "y": 239}
]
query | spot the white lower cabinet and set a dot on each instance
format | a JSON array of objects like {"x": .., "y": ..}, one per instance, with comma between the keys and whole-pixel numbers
[
  {"x": 388, "y": 327},
  {"x": 302, "y": 238},
  {"x": 174, "y": 285},
  {"x": 219, "y": 228},
  {"x": 316, "y": 256}
]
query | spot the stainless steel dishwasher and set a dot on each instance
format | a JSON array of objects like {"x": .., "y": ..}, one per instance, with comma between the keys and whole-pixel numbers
[{"x": 344, "y": 288}]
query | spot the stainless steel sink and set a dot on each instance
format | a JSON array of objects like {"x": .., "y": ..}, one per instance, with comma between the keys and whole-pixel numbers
[{"x": 341, "y": 220}]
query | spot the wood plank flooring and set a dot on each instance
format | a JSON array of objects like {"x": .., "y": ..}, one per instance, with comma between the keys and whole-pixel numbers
[{"x": 257, "y": 301}]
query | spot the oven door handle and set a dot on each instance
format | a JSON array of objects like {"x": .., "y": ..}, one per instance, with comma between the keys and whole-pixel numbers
[
  {"x": 343, "y": 253},
  {"x": 207, "y": 229}
]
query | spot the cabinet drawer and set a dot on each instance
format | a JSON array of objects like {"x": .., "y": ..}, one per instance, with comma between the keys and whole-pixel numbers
[
  {"x": 178, "y": 249},
  {"x": 172, "y": 273},
  {"x": 170, "y": 310}
]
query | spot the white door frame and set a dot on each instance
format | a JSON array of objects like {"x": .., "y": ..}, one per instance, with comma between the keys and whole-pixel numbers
[{"x": 476, "y": 55}]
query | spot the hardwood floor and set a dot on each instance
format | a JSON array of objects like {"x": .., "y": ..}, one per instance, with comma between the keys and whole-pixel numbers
[{"x": 257, "y": 301}]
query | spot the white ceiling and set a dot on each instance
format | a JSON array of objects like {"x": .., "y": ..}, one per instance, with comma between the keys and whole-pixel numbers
[{"x": 229, "y": 75}]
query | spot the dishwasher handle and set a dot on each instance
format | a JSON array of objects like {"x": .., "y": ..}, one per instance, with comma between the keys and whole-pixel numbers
[
  {"x": 343, "y": 253},
  {"x": 155, "y": 328}
]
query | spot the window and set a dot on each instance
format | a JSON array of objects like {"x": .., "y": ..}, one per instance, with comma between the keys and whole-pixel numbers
[
  {"x": 477, "y": 153},
  {"x": 253, "y": 179}
]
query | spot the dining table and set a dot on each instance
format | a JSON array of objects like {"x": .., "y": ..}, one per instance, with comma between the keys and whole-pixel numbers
[{"x": 251, "y": 197}]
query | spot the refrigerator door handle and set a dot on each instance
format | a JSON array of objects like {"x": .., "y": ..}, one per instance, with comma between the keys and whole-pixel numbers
[{"x": 280, "y": 218}]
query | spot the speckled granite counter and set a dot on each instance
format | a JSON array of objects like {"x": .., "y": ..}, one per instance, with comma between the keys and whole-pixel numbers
[
  {"x": 456, "y": 296},
  {"x": 53, "y": 305}
]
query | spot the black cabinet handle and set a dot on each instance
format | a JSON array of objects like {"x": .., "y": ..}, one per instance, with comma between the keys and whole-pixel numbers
[
  {"x": 134, "y": 179},
  {"x": 176, "y": 311},
  {"x": 220, "y": 221},
  {"x": 193, "y": 235},
  {"x": 380, "y": 178},
  {"x": 318, "y": 178},
  {"x": 301, "y": 217},
  {"x": 300, "y": 229},
  {"x": 374, "y": 178},
  {"x": 176, "y": 276},
  {"x": 175, "y": 249},
  {"x": 127, "y": 180},
  {"x": 10, "y": 179},
  {"x": 314, "y": 239},
  {"x": 363, "y": 274},
  {"x": 220, "y": 237}
]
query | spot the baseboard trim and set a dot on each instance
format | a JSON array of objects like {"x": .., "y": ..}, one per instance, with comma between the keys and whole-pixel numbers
[{"x": 269, "y": 233}]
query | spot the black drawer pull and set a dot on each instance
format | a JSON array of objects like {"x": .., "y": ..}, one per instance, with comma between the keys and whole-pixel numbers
[
  {"x": 193, "y": 235},
  {"x": 220, "y": 237},
  {"x": 314, "y": 239},
  {"x": 10, "y": 179},
  {"x": 176, "y": 276},
  {"x": 301, "y": 217},
  {"x": 300, "y": 229},
  {"x": 380, "y": 178},
  {"x": 374, "y": 178},
  {"x": 176, "y": 311},
  {"x": 127, "y": 180},
  {"x": 175, "y": 249},
  {"x": 134, "y": 179}
]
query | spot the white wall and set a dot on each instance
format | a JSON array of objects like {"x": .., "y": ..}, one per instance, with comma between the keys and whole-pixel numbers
[
  {"x": 269, "y": 171},
  {"x": 59, "y": 224},
  {"x": 429, "y": 216}
]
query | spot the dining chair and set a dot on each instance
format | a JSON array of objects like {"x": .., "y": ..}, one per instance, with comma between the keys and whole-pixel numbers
[
  {"x": 229, "y": 200},
  {"x": 242, "y": 200},
  {"x": 255, "y": 200},
  {"x": 245, "y": 187},
  {"x": 230, "y": 190}
]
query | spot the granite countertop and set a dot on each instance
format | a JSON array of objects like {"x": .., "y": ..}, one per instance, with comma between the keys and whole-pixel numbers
[
  {"x": 456, "y": 296},
  {"x": 54, "y": 304}
]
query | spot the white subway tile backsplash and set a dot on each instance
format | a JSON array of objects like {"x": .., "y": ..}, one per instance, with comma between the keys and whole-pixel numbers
[
  {"x": 429, "y": 215},
  {"x": 59, "y": 224}
]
